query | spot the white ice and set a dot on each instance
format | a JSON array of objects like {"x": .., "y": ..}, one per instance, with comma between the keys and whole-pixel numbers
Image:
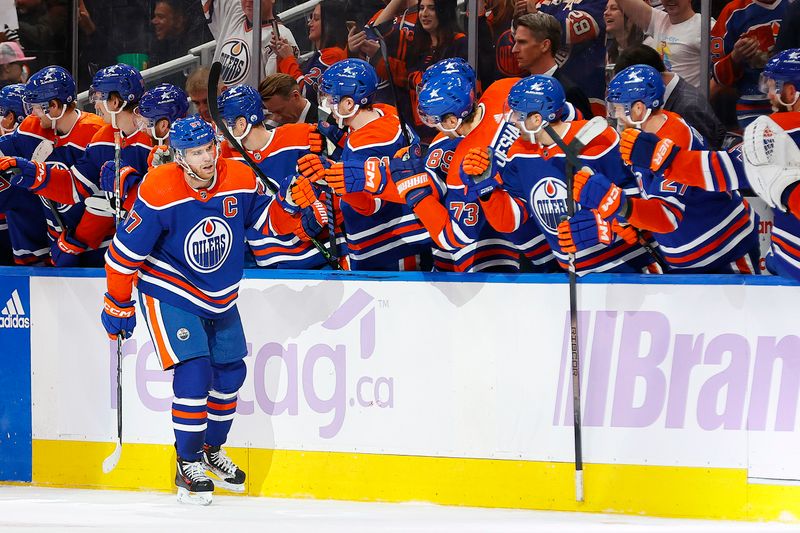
[{"x": 24, "y": 508}]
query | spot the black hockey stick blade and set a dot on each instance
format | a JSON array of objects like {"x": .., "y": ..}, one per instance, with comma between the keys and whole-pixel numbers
[{"x": 213, "y": 109}]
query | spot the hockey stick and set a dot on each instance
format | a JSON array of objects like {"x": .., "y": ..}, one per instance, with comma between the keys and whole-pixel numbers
[
  {"x": 575, "y": 145},
  {"x": 213, "y": 108},
  {"x": 385, "y": 54},
  {"x": 110, "y": 462},
  {"x": 589, "y": 131}
]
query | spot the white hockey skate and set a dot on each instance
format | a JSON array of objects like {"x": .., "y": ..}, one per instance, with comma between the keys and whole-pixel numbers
[
  {"x": 229, "y": 476},
  {"x": 194, "y": 485}
]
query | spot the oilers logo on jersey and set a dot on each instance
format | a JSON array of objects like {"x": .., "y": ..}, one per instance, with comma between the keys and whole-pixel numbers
[
  {"x": 235, "y": 59},
  {"x": 208, "y": 244},
  {"x": 549, "y": 202}
]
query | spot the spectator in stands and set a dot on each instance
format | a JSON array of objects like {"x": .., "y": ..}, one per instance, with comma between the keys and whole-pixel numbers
[
  {"x": 680, "y": 97},
  {"x": 789, "y": 35},
  {"x": 582, "y": 50},
  {"x": 495, "y": 32},
  {"x": 13, "y": 64},
  {"x": 176, "y": 30},
  {"x": 436, "y": 36},
  {"x": 536, "y": 41},
  {"x": 621, "y": 33},
  {"x": 396, "y": 24},
  {"x": 197, "y": 89},
  {"x": 280, "y": 95},
  {"x": 742, "y": 40},
  {"x": 231, "y": 23},
  {"x": 43, "y": 28},
  {"x": 327, "y": 31},
  {"x": 674, "y": 33}
]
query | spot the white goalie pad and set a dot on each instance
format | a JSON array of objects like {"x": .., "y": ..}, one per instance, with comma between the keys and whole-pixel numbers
[{"x": 771, "y": 160}]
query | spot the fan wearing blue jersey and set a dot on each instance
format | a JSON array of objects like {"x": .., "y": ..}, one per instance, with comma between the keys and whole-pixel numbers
[
  {"x": 184, "y": 240},
  {"x": 276, "y": 152},
  {"x": 531, "y": 183},
  {"x": 697, "y": 231},
  {"x": 381, "y": 235},
  {"x": 51, "y": 139},
  {"x": 775, "y": 181}
]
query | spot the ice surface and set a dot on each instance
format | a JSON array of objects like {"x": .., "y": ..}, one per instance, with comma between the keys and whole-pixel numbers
[{"x": 24, "y": 508}]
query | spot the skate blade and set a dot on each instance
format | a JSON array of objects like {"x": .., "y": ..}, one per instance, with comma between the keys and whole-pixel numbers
[
  {"x": 194, "y": 498},
  {"x": 220, "y": 484}
]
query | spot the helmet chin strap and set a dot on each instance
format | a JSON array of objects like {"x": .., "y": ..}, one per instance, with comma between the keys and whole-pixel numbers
[
  {"x": 113, "y": 113},
  {"x": 450, "y": 131},
  {"x": 152, "y": 131},
  {"x": 638, "y": 123},
  {"x": 53, "y": 120},
  {"x": 341, "y": 118},
  {"x": 246, "y": 132},
  {"x": 789, "y": 106}
]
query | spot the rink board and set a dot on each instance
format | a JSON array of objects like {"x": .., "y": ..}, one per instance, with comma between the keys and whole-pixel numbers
[{"x": 450, "y": 389}]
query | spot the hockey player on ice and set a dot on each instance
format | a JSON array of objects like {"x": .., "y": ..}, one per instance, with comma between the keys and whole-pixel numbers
[{"x": 184, "y": 240}]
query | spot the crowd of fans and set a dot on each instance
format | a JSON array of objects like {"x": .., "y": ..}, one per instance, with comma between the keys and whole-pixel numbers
[{"x": 583, "y": 47}]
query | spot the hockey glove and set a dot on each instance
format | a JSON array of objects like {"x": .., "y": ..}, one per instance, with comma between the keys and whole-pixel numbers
[
  {"x": 159, "y": 155},
  {"x": 65, "y": 251},
  {"x": 647, "y": 150},
  {"x": 584, "y": 230},
  {"x": 118, "y": 317},
  {"x": 332, "y": 132},
  {"x": 413, "y": 189},
  {"x": 312, "y": 167},
  {"x": 23, "y": 173},
  {"x": 478, "y": 174},
  {"x": 316, "y": 142},
  {"x": 595, "y": 191},
  {"x": 354, "y": 176},
  {"x": 313, "y": 220},
  {"x": 626, "y": 232},
  {"x": 128, "y": 177}
]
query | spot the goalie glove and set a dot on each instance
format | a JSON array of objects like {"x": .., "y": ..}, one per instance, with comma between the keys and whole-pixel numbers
[
  {"x": 647, "y": 150},
  {"x": 771, "y": 160},
  {"x": 583, "y": 230},
  {"x": 595, "y": 191}
]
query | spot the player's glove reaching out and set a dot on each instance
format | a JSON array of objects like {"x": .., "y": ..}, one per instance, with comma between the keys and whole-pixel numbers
[
  {"x": 647, "y": 150},
  {"x": 583, "y": 230},
  {"x": 595, "y": 191},
  {"x": 478, "y": 173},
  {"x": 31, "y": 174}
]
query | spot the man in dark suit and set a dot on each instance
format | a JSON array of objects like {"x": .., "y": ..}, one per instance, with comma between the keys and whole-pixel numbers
[
  {"x": 284, "y": 102},
  {"x": 681, "y": 97},
  {"x": 536, "y": 40}
]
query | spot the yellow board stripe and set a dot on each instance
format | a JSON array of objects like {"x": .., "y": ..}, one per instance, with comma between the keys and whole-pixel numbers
[{"x": 718, "y": 493}]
